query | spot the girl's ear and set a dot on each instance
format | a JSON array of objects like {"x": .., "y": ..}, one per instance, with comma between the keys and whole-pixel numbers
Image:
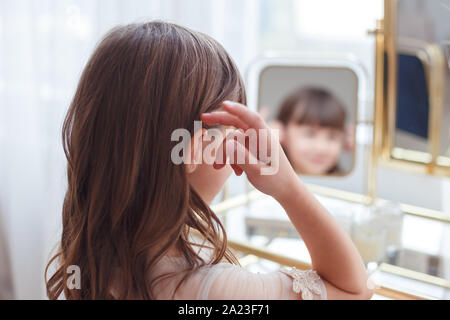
[
  {"x": 194, "y": 152},
  {"x": 278, "y": 125}
]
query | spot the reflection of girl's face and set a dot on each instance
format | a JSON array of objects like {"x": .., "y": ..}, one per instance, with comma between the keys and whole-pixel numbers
[{"x": 313, "y": 149}]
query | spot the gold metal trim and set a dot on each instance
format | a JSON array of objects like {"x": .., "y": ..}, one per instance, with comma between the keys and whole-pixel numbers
[
  {"x": 411, "y": 274},
  {"x": 413, "y": 167},
  {"x": 267, "y": 254},
  {"x": 427, "y": 163},
  {"x": 390, "y": 12},
  {"x": 242, "y": 200},
  {"x": 378, "y": 120},
  {"x": 361, "y": 199},
  {"x": 395, "y": 293},
  {"x": 411, "y": 155},
  {"x": 437, "y": 78}
]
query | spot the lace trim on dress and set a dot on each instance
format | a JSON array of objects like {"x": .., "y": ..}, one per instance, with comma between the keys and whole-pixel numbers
[{"x": 304, "y": 281}]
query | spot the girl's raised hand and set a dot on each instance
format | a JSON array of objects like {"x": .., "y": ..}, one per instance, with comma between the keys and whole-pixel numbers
[{"x": 252, "y": 148}]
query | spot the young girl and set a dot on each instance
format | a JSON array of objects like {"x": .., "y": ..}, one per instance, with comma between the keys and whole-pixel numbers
[
  {"x": 130, "y": 213},
  {"x": 312, "y": 122}
]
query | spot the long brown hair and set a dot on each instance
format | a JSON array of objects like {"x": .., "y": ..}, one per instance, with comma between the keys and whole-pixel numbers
[
  {"x": 127, "y": 203},
  {"x": 314, "y": 106}
]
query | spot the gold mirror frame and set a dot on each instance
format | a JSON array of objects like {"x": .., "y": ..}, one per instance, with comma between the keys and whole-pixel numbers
[{"x": 384, "y": 151}]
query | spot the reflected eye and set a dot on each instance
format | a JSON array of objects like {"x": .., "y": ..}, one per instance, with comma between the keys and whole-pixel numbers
[
  {"x": 310, "y": 132},
  {"x": 332, "y": 136}
]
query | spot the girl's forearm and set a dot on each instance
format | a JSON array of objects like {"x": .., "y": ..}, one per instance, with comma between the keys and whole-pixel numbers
[{"x": 333, "y": 254}]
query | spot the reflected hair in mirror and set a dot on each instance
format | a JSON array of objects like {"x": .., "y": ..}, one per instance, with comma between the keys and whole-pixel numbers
[{"x": 314, "y": 106}]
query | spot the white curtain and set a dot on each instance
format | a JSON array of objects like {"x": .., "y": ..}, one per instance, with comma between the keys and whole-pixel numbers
[{"x": 43, "y": 47}]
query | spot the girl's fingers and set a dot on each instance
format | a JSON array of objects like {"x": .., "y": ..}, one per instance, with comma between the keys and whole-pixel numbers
[
  {"x": 240, "y": 152},
  {"x": 234, "y": 151},
  {"x": 252, "y": 119},
  {"x": 238, "y": 171},
  {"x": 224, "y": 118},
  {"x": 236, "y": 115}
]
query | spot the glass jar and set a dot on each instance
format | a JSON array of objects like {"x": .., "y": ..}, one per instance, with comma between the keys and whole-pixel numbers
[
  {"x": 389, "y": 216},
  {"x": 369, "y": 236}
]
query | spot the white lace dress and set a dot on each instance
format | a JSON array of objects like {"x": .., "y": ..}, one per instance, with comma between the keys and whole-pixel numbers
[{"x": 231, "y": 282}]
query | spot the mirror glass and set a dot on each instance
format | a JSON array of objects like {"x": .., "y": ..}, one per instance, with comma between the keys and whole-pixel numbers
[
  {"x": 314, "y": 108},
  {"x": 423, "y": 74}
]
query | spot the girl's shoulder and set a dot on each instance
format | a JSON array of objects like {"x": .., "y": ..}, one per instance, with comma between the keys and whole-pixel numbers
[{"x": 194, "y": 285}]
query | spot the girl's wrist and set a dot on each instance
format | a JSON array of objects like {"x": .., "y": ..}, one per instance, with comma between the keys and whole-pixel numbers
[{"x": 289, "y": 191}]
